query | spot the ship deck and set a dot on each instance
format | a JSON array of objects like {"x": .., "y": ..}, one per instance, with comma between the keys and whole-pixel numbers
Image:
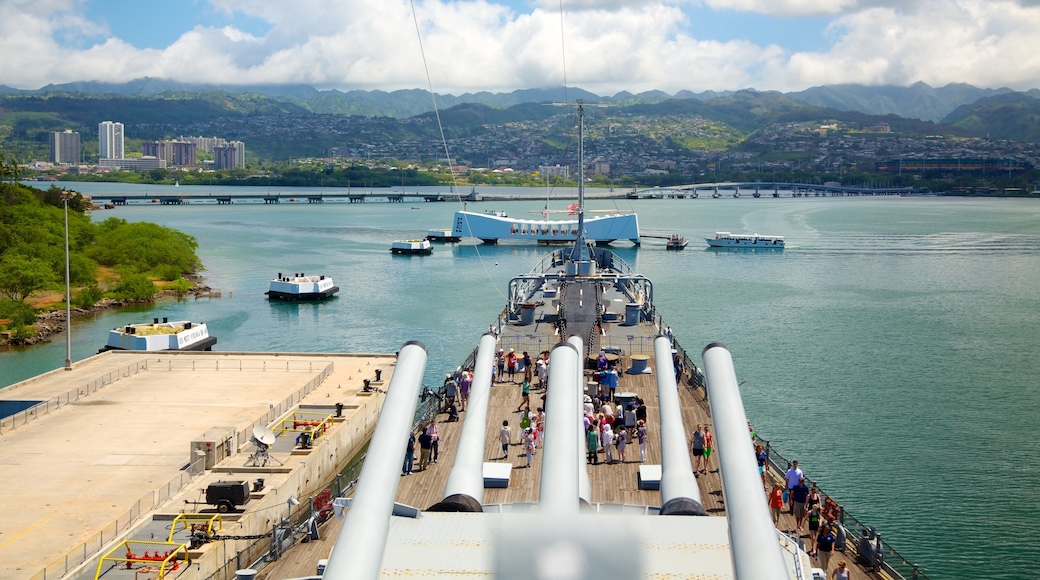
[
  {"x": 616, "y": 483},
  {"x": 114, "y": 446}
]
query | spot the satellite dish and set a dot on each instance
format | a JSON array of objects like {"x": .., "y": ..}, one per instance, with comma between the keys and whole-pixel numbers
[{"x": 264, "y": 435}]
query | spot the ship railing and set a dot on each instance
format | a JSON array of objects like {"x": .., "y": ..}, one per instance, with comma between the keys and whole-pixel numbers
[
  {"x": 23, "y": 417},
  {"x": 894, "y": 564},
  {"x": 146, "y": 503}
]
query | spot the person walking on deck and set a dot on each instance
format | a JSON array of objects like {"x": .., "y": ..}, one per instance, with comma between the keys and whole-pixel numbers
[
  {"x": 697, "y": 448},
  {"x": 511, "y": 365},
  {"x": 761, "y": 457},
  {"x": 409, "y": 455},
  {"x": 642, "y": 437},
  {"x": 451, "y": 389},
  {"x": 592, "y": 443},
  {"x": 500, "y": 364},
  {"x": 528, "y": 368},
  {"x": 709, "y": 444},
  {"x": 505, "y": 436},
  {"x": 539, "y": 426},
  {"x": 776, "y": 502},
  {"x": 435, "y": 436},
  {"x": 529, "y": 445},
  {"x": 464, "y": 385},
  {"x": 622, "y": 443},
  {"x": 606, "y": 441},
  {"x": 841, "y": 572},
  {"x": 791, "y": 477},
  {"x": 825, "y": 546},
  {"x": 799, "y": 496},
  {"x": 425, "y": 450},
  {"x": 525, "y": 396}
]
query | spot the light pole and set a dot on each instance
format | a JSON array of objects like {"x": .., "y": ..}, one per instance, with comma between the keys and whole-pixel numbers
[{"x": 65, "y": 196}]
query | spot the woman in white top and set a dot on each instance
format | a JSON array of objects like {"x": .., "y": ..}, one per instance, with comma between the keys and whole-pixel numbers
[{"x": 606, "y": 440}]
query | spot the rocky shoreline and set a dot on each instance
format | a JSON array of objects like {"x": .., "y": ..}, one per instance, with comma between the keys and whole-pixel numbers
[{"x": 52, "y": 322}]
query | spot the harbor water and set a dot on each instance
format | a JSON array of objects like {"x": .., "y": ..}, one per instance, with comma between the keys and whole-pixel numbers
[{"x": 890, "y": 348}]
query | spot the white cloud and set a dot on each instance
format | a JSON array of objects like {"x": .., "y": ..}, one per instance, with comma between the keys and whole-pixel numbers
[
  {"x": 479, "y": 45},
  {"x": 985, "y": 43}
]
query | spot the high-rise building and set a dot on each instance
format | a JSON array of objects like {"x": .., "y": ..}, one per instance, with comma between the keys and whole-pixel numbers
[
  {"x": 65, "y": 147},
  {"x": 110, "y": 140},
  {"x": 176, "y": 153},
  {"x": 205, "y": 143},
  {"x": 231, "y": 156}
]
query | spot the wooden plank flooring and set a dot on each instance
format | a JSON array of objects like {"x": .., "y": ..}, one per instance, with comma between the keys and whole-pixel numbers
[{"x": 615, "y": 484}]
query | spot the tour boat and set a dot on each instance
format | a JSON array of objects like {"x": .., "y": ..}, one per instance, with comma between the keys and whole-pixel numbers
[
  {"x": 728, "y": 240},
  {"x": 301, "y": 287}
]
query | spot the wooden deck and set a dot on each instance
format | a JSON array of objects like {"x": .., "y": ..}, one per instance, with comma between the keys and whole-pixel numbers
[{"x": 616, "y": 483}]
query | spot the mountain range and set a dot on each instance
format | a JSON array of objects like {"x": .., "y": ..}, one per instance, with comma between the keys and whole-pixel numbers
[{"x": 917, "y": 101}]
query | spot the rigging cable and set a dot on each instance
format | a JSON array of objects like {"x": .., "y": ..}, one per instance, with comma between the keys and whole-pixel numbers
[{"x": 444, "y": 141}]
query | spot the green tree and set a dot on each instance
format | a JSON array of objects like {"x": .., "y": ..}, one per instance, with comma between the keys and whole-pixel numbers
[{"x": 21, "y": 276}]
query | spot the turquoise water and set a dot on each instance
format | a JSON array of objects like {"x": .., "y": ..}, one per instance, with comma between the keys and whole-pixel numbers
[{"x": 891, "y": 347}]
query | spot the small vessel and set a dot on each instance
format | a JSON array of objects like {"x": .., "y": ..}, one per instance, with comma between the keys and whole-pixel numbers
[
  {"x": 159, "y": 336},
  {"x": 676, "y": 242},
  {"x": 301, "y": 287},
  {"x": 728, "y": 240},
  {"x": 411, "y": 247},
  {"x": 442, "y": 236}
]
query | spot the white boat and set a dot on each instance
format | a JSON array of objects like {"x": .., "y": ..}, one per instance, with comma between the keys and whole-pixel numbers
[
  {"x": 301, "y": 287},
  {"x": 159, "y": 336},
  {"x": 411, "y": 247},
  {"x": 754, "y": 241},
  {"x": 491, "y": 228},
  {"x": 442, "y": 236}
]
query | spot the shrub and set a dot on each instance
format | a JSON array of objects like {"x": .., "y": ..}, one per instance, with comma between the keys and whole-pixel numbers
[
  {"x": 134, "y": 287},
  {"x": 181, "y": 286},
  {"x": 167, "y": 272},
  {"x": 88, "y": 297}
]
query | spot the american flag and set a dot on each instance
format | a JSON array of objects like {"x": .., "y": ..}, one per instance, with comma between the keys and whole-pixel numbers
[{"x": 572, "y": 209}]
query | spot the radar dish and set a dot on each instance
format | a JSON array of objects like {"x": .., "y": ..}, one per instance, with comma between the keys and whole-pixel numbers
[{"x": 264, "y": 435}]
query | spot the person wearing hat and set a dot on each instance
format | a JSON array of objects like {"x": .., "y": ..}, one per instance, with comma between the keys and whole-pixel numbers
[
  {"x": 500, "y": 362},
  {"x": 511, "y": 365},
  {"x": 450, "y": 390}
]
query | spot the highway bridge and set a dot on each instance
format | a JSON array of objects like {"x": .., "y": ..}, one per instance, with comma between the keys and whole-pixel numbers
[
  {"x": 763, "y": 189},
  {"x": 710, "y": 190}
]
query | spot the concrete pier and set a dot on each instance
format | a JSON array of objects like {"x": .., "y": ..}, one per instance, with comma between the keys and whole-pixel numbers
[{"x": 123, "y": 438}]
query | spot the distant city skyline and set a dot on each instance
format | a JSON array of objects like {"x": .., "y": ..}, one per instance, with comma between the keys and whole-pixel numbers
[{"x": 503, "y": 45}]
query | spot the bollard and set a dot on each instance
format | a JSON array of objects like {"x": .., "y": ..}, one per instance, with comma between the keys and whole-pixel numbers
[
  {"x": 368, "y": 387},
  {"x": 339, "y": 410},
  {"x": 379, "y": 375}
]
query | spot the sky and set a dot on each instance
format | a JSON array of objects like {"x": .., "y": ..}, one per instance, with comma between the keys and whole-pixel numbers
[{"x": 454, "y": 47}]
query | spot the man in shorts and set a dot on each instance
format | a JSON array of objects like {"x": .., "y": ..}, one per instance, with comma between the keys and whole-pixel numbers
[
  {"x": 799, "y": 495},
  {"x": 697, "y": 447}
]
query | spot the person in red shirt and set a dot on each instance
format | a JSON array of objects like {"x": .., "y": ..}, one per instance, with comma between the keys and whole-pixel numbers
[{"x": 776, "y": 502}]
